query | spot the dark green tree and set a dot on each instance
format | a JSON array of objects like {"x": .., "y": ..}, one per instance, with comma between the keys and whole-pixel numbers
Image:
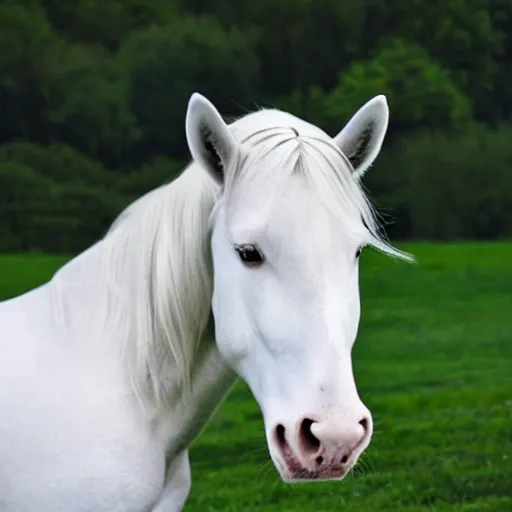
[
  {"x": 299, "y": 43},
  {"x": 88, "y": 104},
  {"x": 107, "y": 22},
  {"x": 167, "y": 64},
  {"x": 59, "y": 163},
  {"x": 420, "y": 93},
  {"x": 27, "y": 47},
  {"x": 447, "y": 186},
  {"x": 462, "y": 35}
]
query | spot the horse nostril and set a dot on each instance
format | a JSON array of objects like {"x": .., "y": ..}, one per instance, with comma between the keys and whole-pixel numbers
[
  {"x": 344, "y": 459},
  {"x": 309, "y": 441},
  {"x": 364, "y": 423},
  {"x": 281, "y": 440},
  {"x": 319, "y": 460}
]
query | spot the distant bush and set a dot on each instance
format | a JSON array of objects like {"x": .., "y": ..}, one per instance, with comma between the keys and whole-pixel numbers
[
  {"x": 83, "y": 216},
  {"x": 58, "y": 162},
  {"x": 106, "y": 22},
  {"x": 419, "y": 91},
  {"x": 166, "y": 64},
  {"x": 24, "y": 196},
  {"x": 309, "y": 105},
  {"x": 51, "y": 90},
  {"x": 38, "y": 213},
  {"x": 446, "y": 186},
  {"x": 88, "y": 104},
  {"x": 54, "y": 198},
  {"x": 27, "y": 48},
  {"x": 151, "y": 175}
]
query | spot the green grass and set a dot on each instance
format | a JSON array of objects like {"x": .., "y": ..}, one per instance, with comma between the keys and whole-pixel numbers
[
  {"x": 22, "y": 272},
  {"x": 433, "y": 362}
]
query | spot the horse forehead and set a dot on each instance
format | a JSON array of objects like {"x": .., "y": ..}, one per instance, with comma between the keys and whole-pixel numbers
[{"x": 290, "y": 210}]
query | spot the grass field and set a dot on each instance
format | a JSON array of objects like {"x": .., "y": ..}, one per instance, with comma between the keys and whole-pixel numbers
[{"x": 434, "y": 364}]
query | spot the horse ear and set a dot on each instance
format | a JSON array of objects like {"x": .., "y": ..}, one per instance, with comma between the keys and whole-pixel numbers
[
  {"x": 361, "y": 139},
  {"x": 209, "y": 140}
]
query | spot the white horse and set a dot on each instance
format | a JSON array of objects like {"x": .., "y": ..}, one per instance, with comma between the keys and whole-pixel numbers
[{"x": 105, "y": 377}]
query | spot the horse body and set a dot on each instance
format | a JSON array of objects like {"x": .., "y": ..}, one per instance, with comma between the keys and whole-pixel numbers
[
  {"x": 106, "y": 377},
  {"x": 76, "y": 439},
  {"x": 73, "y": 441}
]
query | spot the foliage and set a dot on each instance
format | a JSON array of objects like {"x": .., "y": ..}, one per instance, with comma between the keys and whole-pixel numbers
[
  {"x": 93, "y": 95},
  {"x": 309, "y": 104},
  {"x": 420, "y": 93},
  {"x": 166, "y": 64},
  {"x": 449, "y": 186},
  {"x": 106, "y": 22},
  {"x": 40, "y": 213},
  {"x": 27, "y": 43},
  {"x": 24, "y": 200},
  {"x": 52, "y": 91},
  {"x": 58, "y": 162},
  {"x": 298, "y": 43},
  {"x": 157, "y": 172},
  {"x": 88, "y": 104},
  {"x": 462, "y": 35}
]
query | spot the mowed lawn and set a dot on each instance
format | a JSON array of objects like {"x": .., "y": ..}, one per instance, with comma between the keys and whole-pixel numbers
[{"x": 433, "y": 362}]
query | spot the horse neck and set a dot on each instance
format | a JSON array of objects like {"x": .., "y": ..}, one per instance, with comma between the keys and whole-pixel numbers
[{"x": 144, "y": 291}]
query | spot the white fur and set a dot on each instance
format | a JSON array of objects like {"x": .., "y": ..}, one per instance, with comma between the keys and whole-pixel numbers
[
  {"x": 105, "y": 371},
  {"x": 361, "y": 139}
]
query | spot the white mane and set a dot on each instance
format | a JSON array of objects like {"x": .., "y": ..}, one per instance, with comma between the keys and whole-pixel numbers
[
  {"x": 158, "y": 264},
  {"x": 156, "y": 261}
]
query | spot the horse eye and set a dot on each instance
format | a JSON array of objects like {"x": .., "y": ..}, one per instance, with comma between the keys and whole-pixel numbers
[{"x": 249, "y": 254}]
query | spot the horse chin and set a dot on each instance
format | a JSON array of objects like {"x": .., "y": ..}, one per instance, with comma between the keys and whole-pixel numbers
[
  {"x": 292, "y": 472},
  {"x": 306, "y": 476}
]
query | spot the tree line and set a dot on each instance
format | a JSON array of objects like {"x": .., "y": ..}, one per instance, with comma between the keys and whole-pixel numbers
[{"x": 93, "y": 96}]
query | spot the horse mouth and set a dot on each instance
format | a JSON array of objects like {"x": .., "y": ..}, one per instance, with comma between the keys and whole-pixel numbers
[
  {"x": 306, "y": 475},
  {"x": 296, "y": 474}
]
